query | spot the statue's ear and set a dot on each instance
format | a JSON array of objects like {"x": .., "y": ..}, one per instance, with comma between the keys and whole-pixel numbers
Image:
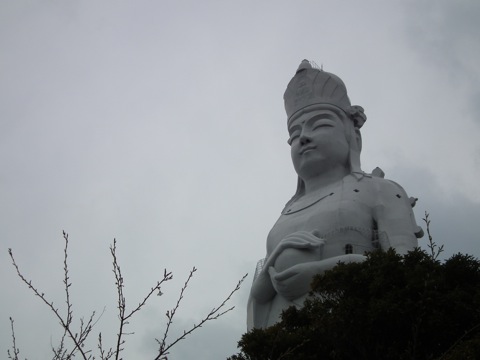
[
  {"x": 355, "y": 149},
  {"x": 358, "y": 139}
]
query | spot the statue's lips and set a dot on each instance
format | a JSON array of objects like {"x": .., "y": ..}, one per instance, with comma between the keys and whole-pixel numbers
[{"x": 308, "y": 148}]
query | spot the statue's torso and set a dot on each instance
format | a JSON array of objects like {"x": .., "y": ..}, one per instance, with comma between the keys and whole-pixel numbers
[
  {"x": 353, "y": 216},
  {"x": 343, "y": 217}
]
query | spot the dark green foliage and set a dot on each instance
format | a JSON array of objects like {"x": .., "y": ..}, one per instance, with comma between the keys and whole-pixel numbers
[{"x": 388, "y": 307}]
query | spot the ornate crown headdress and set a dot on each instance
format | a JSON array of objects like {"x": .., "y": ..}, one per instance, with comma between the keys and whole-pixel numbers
[{"x": 310, "y": 86}]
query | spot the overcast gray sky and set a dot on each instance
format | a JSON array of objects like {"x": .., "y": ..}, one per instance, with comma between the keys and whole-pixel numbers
[{"x": 161, "y": 124}]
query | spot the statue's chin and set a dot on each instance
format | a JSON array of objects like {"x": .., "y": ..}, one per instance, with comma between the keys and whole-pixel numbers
[{"x": 290, "y": 257}]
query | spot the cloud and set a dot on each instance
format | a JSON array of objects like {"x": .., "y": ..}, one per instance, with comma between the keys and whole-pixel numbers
[
  {"x": 162, "y": 124},
  {"x": 445, "y": 35}
]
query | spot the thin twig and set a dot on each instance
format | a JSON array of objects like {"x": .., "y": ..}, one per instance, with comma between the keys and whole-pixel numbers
[
  {"x": 435, "y": 250},
  {"x": 119, "y": 282},
  {"x": 109, "y": 353},
  {"x": 16, "y": 351},
  {"x": 214, "y": 314},
  {"x": 60, "y": 351},
  {"x": 292, "y": 350},
  {"x": 66, "y": 324},
  {"x": 120, "y": 300},
  {"x": 171, "y": 313},
  {"x": 458, "y": 341}
]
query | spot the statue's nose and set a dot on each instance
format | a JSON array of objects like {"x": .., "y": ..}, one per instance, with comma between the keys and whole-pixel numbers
[{"x": 304, "y": 139}]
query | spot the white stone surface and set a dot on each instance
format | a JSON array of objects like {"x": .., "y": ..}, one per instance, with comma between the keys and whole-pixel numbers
[{"x": 338, "y": 212}]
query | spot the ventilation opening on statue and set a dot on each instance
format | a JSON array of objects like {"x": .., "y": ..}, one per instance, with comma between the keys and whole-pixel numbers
[{"x": 348, "y": 249}]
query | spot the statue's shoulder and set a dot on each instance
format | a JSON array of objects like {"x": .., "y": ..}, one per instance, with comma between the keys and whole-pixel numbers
[
  {"x": 383, "y": 184},
  {"x": 390, "y": 201},
  {"x": 384, "y": 188}
]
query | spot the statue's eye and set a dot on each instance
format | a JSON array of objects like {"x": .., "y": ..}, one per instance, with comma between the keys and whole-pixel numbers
[
  {"x": 293, "y": 137},
  {"x": 322, "y": 124}
]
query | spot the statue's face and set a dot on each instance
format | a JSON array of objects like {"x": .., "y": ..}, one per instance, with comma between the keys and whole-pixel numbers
[{"x": 318, "y": 142}]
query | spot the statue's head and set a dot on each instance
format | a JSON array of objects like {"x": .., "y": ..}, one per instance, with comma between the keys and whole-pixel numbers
[
  {"x": 312, "y": 86},
  {"x": 316, "y": 94}
]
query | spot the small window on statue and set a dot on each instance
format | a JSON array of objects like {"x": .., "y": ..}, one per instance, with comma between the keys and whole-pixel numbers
[{"x": 348, "y": 249}]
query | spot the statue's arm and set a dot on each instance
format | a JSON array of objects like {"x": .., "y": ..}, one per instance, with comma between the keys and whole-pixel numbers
[
  {"x": 394, "y": 217},
  {"x": 262, "y": 287},
  {"x": 263, "y": 290},
  {"x": 295, "y": 281}
]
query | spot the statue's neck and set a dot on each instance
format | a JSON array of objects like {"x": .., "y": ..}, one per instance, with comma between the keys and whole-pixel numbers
[{"x": 323, "y": 181}]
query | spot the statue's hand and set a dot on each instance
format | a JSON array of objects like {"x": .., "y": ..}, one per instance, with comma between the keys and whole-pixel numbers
[
  {"x": 296, "y": 248},
  {"x": 300, "y": 240},
  {"x": 295, "y": 281}
]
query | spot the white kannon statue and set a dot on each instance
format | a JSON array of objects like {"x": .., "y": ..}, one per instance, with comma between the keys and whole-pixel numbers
[{"x": 338, "y": 212}]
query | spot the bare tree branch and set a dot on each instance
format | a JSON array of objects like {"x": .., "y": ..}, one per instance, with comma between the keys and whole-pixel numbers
[
  {"x": 435, "y": 250},
  {"x": 16, "y": 351},
  {"x": 61, "y": 352},
  {"x": 78, "y": 339},
  {"x": 214, "y": 314},
  {"x": 171, "y": 313},
  {"x": 103, "y": 355},
  {"x": 119, "y": 283}
]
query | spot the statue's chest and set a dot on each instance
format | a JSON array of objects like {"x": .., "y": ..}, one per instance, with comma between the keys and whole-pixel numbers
[{"x": 342, "y": 218}]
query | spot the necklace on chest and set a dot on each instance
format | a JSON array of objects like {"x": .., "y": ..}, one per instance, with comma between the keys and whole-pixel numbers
[
  {"x": 300, "y": 205},
  {"x": 307, "y": 201}
]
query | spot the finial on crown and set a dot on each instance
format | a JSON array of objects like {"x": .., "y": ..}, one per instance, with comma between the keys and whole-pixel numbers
[{"x": 305, "y": 64}]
